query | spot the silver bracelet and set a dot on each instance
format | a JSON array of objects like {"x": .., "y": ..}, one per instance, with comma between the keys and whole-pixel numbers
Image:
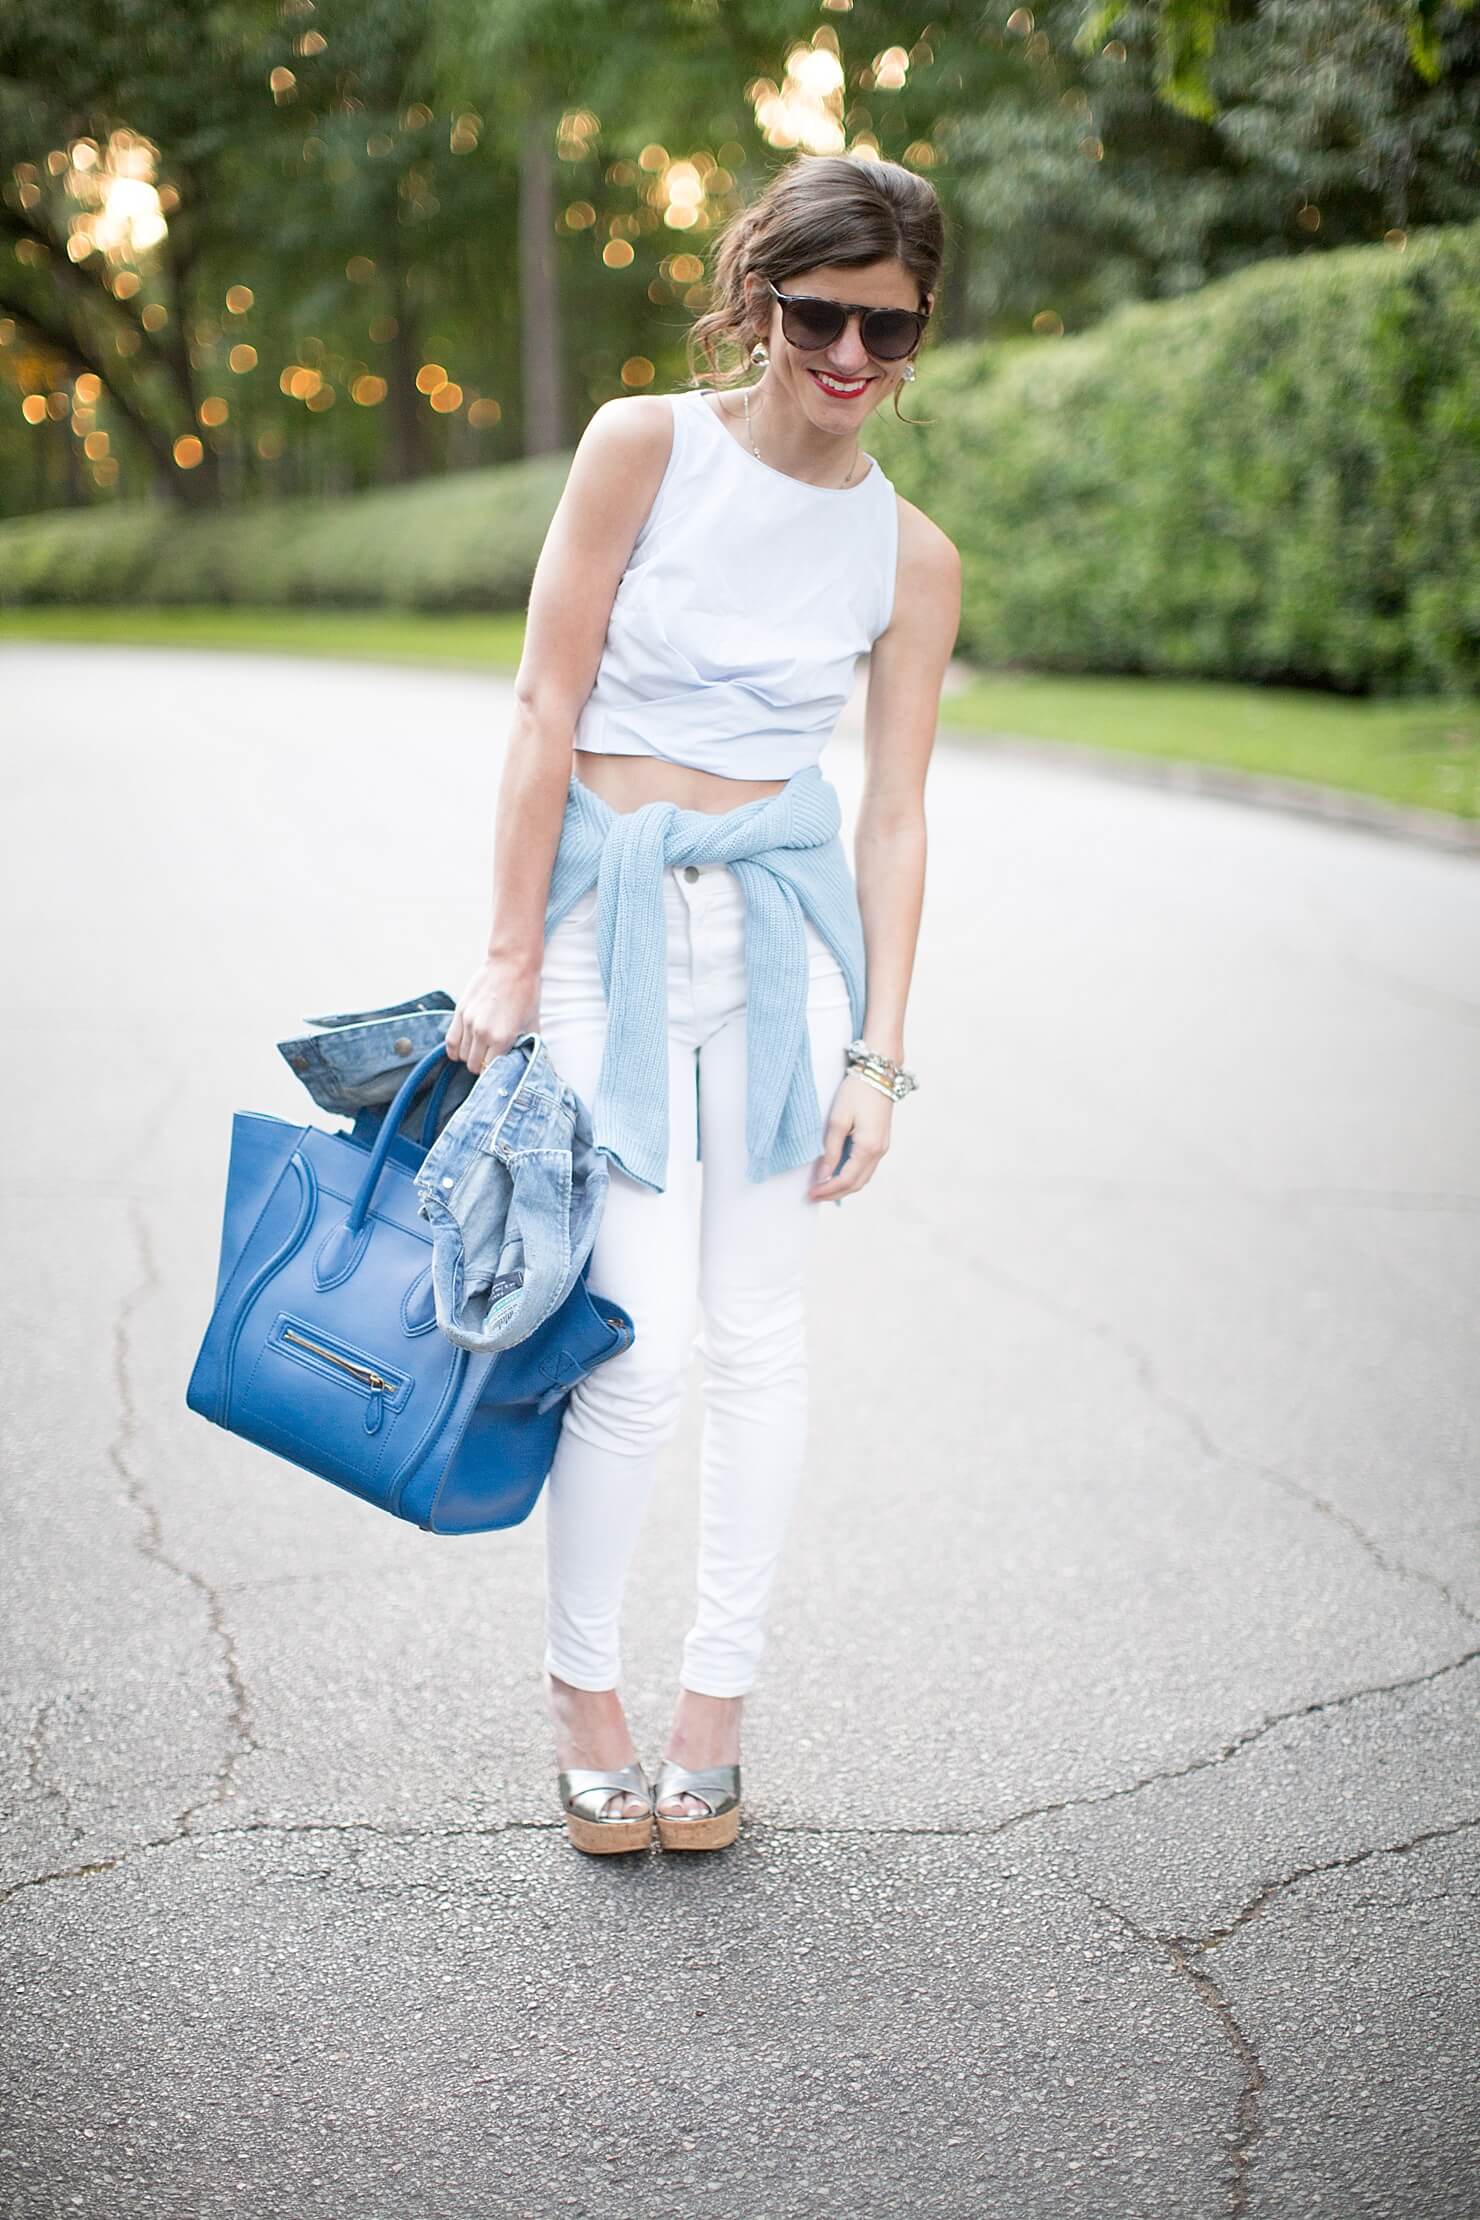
[{"x": 880, "y": 1071}]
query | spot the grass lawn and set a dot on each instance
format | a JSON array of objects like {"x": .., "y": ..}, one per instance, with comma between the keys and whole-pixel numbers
[
  {"x": 475, "y": 642},
  {"x": 1423, "y": 753}
]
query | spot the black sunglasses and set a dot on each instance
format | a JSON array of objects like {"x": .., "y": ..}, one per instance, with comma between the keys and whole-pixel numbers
[{"x": 810, "y": 320}]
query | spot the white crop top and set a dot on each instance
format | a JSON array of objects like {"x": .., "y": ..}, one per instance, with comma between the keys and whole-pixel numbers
[{"x": 748, "y": 598}]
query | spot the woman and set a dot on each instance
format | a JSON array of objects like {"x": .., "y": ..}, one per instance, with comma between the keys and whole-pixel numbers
[{"x": 712, "y": 572}]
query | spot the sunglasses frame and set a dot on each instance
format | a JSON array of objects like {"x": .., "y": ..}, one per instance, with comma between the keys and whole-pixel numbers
[{"x": 861, "y": 309}]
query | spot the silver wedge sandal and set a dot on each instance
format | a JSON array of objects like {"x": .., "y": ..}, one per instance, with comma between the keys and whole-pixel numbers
[
  {"x": 718, "y": 1786},
  {"x": 584, "y": 1789}
]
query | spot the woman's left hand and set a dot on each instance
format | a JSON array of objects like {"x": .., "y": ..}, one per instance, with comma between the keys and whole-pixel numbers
[{"x": 867, "y": 1113}]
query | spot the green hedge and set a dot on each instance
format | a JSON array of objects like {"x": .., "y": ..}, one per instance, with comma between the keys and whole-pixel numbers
[
  {"x": 1275, "y": 478},
  {"x": 469, "y": 541}
]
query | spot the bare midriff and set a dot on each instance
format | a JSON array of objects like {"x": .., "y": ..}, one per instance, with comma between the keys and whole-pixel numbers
[{"x": 625, "y": 782}]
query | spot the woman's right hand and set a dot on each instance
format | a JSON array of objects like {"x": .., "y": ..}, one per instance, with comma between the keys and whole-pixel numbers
[{"x": 499, "y": 1002}]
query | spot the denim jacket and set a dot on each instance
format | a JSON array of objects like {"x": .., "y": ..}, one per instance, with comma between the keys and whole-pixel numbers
[
  {"x": 514, "y": 1189},
  {"x": 512, "y": 1185},
  {"x": 362, "y": 1056}
]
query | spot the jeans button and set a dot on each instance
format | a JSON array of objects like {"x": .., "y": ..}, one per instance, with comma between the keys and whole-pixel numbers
[{"x": 691, "y": 871}]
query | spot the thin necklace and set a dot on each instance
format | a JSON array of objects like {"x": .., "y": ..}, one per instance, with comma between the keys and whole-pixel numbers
[{"x": 745, "y": 397}]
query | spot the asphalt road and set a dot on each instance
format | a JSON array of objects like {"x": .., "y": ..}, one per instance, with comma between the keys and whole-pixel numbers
[{"x": 1113, "y": 1787}]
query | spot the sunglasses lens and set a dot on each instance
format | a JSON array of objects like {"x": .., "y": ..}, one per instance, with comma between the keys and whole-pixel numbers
[
  {"x": 890, "y": 333},
  {"x": 812, "y": 323}
]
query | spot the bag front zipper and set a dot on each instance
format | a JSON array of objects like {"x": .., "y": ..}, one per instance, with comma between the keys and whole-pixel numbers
[
  {"x": 375, "y": 1384},
  {"x": 372, "y": 1379}
]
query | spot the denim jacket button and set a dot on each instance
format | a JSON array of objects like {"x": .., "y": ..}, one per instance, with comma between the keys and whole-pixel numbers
[{"x": 402, "y": 1047}]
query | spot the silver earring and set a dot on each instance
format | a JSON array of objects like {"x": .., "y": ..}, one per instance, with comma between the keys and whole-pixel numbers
[
  {"x": 758, "y": 353},
  {"x": 909, "y": 373}
]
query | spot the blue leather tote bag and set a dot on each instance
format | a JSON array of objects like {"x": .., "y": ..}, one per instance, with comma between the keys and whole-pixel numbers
[{"x": 323, "y": 1345}]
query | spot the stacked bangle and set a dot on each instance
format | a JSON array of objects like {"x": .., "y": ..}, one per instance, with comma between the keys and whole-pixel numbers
[{"x": 880, "y": 1071}]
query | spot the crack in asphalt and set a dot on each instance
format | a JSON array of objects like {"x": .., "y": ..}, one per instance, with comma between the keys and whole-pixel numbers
[
  {"x": 1359, "y": 1534},
  {"x": 243, "y": 1741},
  {"x": 196, "y": 1836},
  {"x": 1238, "y": 1743},
  {"x": 241, "y": 1737},
  {"x": 1184, "y": 1953},
  {"x": 1248, "y": 2124},
  {"x": 1265, "y": 1895},
  {"x": 487, "y": 1830},
  {"x": 981, "y": 1829},
  {"x": 1147, "y": 1378},
  {"x": 1233, "y": 1748},
  {"x": 47, "y": 1789}
]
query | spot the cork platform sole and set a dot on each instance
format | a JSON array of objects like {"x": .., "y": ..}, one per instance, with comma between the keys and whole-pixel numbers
[
  {"x": 600, "y": 1837},
  {"x": 718, "y": 1786},
  {"x": 589, "y": 1786}
]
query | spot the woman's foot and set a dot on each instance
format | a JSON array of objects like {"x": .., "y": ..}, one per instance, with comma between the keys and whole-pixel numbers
[
  {"x": 591, "y": 1730},
  {"x": 705, "y": 1731}
]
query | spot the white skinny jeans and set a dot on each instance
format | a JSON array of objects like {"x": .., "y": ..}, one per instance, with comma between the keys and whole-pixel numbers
[{"x": 714, "y": 1251}]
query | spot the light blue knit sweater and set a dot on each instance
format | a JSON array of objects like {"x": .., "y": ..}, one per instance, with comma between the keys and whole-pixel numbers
[{"x": 788, "y": 854}]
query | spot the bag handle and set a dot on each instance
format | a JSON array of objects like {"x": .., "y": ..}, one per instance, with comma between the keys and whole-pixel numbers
[
  {"x": 389, "y": 1125},
  {"x": 434, "y": 1102}
]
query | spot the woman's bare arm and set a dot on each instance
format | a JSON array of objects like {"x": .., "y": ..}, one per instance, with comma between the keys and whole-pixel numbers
[
  {"x": 614, "y": 477},
  {"x": 907, "y": 668},
  {"x": 907, "y": 665}
]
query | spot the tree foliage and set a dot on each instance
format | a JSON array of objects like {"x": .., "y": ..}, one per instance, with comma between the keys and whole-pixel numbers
[
  {"x": 1087, "y": 187},
  {"x": 1187, "y": 32}
]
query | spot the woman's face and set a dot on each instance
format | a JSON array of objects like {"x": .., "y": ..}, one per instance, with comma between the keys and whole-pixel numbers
[{"x": 837, "y": 386}]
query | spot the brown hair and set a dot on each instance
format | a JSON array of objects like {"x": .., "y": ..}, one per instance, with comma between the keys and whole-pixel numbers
[{"x": 821, "y": 208}]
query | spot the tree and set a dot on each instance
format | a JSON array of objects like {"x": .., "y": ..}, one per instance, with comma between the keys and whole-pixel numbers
[
  {"x": 68, "y": 81},
  {"x": 1089, "y": 186},
  {"x": 1187, "y": 35}
]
